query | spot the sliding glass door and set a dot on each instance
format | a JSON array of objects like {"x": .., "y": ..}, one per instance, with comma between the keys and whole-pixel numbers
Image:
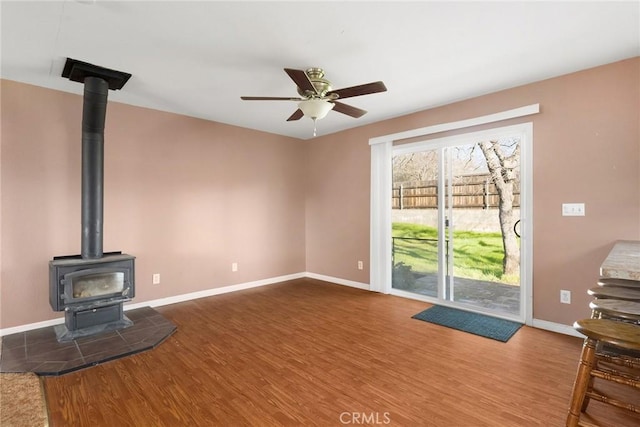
[
  {"x": 456, "y": 221},
  {"x": 416, "y": 223}
]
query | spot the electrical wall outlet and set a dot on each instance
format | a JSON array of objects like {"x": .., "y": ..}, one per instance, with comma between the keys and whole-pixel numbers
[
  {"x": 565, "y": 297},
  {"x": 234, "y": 266},
  {"x": 360, "y": 265},
  {"x": 573, "y": 209},
  {"x": 155, "y": 279}
]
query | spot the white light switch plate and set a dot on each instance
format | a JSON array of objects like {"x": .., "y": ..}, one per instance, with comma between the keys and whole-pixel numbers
[{"x": 573, "y": 209}]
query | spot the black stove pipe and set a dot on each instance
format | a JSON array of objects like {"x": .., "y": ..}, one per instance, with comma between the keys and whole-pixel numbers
[{"x": 93, "y": 119}]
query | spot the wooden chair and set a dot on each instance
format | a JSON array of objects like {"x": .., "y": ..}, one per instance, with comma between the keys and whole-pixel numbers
[
  {"x": 615, "y": 292},
  {"x": 625, "y": 283},
  {"x": 625, "y": 311},
  {"x": 622, "y": 335}
]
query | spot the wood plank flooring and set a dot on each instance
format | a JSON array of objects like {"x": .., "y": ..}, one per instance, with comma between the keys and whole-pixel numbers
[{"x": 307, "y": 352}]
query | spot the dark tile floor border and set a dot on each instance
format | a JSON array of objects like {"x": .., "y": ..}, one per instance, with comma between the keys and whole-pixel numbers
[{"x": 39, "y": 351}]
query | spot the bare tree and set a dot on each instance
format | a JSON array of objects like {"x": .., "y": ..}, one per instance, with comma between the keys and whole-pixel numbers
[
  {"x": 501, "y": 159},
  {"x": 503, "y": 168},
  {"x": 415, "y": 167}
]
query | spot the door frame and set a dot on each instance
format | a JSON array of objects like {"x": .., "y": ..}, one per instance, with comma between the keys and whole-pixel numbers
[
  {"x": 524, "y": 131},
  {"x": 382, "y": 150}
]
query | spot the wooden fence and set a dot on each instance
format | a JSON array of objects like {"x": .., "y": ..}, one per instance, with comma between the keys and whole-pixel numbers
[{"x": 473, "y": 191}]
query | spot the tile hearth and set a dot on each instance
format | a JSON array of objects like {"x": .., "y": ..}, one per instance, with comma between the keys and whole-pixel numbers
[{"x": 39, "y": 351}]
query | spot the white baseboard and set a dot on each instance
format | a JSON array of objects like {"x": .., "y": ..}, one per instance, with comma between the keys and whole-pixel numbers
[
  {"x": 165, "y": 301},
  {"x": 556, "y": 327},
  {"x": 30, "y": 326},
  {"x": 541, "y": 324},
  {"x": 214, "y": 291},
  {"x": 338, "y": 281}
]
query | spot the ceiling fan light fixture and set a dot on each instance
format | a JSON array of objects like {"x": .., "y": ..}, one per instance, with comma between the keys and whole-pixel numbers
[
  {"x": 315, "y": 109},
  {"x": 317, "y": 97}
]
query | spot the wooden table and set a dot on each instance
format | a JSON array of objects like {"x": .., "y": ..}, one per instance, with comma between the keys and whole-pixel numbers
[{"x": 623, "y": 262}]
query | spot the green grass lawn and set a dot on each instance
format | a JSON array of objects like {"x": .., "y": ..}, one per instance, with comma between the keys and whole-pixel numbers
[{"x": 477, "y": 255}]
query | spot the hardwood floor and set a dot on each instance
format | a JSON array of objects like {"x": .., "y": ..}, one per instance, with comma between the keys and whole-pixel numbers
[{"x": 306, "y": 352}]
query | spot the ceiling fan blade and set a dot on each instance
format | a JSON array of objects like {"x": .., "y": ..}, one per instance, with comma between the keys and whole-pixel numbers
[
  {"x": 364, "y": 89},
  {"x": 348, "y": 109},
  {"x": 301, "y": 79},
  {"x": 297, "y": 115},
  {"x": 268, "y": 98}
]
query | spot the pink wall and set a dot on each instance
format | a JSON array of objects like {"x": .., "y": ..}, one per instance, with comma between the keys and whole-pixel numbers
[
  {"x": 337, "y": 210},
  {"x": 586, "y": 149},
  {"x": 187, "y": 197}
]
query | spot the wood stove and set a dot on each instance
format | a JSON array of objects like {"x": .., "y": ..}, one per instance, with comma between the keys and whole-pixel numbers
[
  {"x": 91, "y": 292},
  {"x": 92, "y": 287}
]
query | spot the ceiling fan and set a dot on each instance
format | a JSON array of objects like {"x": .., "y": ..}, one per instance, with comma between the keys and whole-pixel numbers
[{"x": 317, "y": 96}]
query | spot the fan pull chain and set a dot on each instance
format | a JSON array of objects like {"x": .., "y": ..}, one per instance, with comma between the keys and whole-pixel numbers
[{"x": 314, "y": 126}]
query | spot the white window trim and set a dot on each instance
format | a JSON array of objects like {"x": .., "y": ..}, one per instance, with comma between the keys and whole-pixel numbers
[
  {"x": 380, "y": 214},
  {"x": 461, "y": 124}
]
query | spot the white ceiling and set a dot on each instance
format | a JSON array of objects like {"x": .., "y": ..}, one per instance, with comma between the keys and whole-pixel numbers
[{"x": 198, "y": 58}]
